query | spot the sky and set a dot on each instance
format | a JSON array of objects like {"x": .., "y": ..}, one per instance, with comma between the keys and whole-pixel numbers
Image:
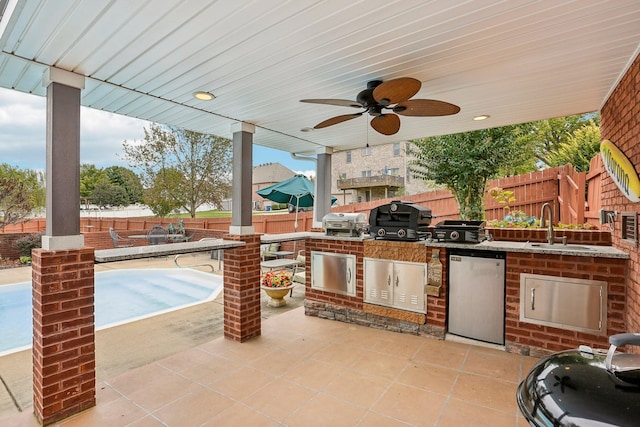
[{"x": 23, "y": 136}]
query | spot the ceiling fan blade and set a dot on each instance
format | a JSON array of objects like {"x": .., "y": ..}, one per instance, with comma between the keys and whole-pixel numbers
[
  {"x": 425, "y": 107},
  {"x": 386, "y": 124},
  {"x": 335, "y": 120},
  {"x": 396, "y": 90},
  {"x": 338, "y": 102}
]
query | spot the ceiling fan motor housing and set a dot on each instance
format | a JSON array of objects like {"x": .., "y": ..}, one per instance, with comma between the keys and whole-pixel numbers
[{"x": 367, "y": 100}]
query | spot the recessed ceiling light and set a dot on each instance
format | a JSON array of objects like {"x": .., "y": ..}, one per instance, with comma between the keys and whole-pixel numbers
[
  {"x": 482, "y": 117},
  {"x": 203, "y": 96}
]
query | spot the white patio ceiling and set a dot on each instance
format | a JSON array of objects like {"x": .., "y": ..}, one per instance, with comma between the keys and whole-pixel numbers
[{"x": 516, "y": 61}]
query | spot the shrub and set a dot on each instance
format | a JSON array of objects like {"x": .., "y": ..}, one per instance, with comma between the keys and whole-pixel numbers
[{"x": 27, "y": 243}]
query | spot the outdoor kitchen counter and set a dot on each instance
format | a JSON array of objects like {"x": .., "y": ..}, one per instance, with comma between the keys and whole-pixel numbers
[
  {"x": 539, "y": 248},
  {"x": 284, "y": 237}
]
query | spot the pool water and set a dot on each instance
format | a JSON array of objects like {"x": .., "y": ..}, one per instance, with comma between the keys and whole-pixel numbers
[{"x": 121, "y": 296}]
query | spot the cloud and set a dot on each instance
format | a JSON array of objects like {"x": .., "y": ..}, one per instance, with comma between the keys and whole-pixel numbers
[
  {"x": 23, "y": 136},
  {"x": 311, "y": 174},
  {"x": 23, "y": 132}
]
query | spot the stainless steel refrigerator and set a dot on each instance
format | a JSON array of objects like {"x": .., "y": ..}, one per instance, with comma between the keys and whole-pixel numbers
[{"x": 477, "y": 295}]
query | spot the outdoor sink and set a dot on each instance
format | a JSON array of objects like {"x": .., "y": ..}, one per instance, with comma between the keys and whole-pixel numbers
[{"x": 559, "y": 247}]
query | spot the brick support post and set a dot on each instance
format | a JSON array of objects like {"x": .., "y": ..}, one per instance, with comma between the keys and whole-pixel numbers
[
  {"x": 63, "y": 333},
  {"x": 242, "y": 289}
]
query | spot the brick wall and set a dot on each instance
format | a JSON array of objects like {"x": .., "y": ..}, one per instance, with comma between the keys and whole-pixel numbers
[
  {"x": 528, "y": 338},
  {"x": 63, "y": 333},
  {"x": 341, "y": 247},
  {"x": 8, "y": 249},
  {"x": 353, "y": 309},
  {"x": 242, "y": 289},
  {"x": 621, "y": 125}
]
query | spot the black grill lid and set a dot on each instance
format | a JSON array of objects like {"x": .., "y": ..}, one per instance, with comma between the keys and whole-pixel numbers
[{"x": 574, "y": 388}]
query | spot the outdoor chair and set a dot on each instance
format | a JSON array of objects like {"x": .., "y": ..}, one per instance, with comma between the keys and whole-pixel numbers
[
  {"x": 267, "y": 250},
  {"x": 299, "y": 274},
  {"x": 181, "y": 237},
  {"x": 119, "y": 241},
  {"x": 157, "y": 235}
]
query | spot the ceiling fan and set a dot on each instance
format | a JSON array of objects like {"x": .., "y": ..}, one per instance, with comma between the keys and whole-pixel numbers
[{"x": 390, "y": 95}]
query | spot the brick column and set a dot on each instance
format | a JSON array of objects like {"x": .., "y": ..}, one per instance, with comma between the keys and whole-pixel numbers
[
  {"x": 64, "y": 380},
  {"x": 242, "y": 289}
]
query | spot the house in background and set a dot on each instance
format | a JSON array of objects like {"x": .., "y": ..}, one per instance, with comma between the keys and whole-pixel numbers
[
  {"x": 265, "y": 175},
  {"x": 373, "y": 173}
]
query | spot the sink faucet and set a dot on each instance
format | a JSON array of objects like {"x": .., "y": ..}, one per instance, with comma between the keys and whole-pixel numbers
[{"x": 550, "y": 234}]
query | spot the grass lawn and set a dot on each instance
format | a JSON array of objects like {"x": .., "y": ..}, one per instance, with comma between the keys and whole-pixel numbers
[{"x": 224, "y": 214}]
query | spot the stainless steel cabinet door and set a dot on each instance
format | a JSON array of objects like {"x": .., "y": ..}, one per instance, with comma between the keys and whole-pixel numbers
[
  {"x": 333, "y": 272},
  {"x": 408, "y": 286},
  {"x": 476, "y": 298},
  {"x": 395, "y": 284},
  {"x": 378, "y": 277},
  {"x": 562, "y": 302}
]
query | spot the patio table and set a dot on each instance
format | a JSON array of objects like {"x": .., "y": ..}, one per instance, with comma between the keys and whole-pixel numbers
[{"x": 273, "y": 264}]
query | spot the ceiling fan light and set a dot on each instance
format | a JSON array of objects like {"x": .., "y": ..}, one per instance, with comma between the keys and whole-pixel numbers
[
  {"x": 481, "y": 117},
  {"x": 203, "y": 96}
]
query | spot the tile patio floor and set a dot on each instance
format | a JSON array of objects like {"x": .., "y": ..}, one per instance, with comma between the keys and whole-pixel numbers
[{"x": 305, "y": 371}]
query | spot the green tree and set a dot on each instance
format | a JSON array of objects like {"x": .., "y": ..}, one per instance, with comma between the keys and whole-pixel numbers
[
  {"x": 127, "y": 180},
  {"x": 463, "y": 162},
  {"x": 21, "y": 191},
  {"x": 165, "y": 194},
  {"x": 203, "y": 161},
  {"x": 90, "y": 176},
  {"x": 106, "y": 194},
  {"x": 579, "y": 148},
  {"x": 546, "y": 137}
]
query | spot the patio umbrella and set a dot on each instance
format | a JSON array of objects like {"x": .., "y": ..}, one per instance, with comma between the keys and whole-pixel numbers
[{"x": 297, "y": 191}]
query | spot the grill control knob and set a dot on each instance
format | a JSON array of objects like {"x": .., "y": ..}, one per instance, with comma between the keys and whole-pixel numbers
[
  {"x": 402, "y": 233},
  {"x": 454, "y": 235},
  {"x": 382, "y": 232}
]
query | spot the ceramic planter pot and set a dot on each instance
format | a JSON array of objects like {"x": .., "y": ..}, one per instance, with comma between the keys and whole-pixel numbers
[{"x": 277, "y": 295}]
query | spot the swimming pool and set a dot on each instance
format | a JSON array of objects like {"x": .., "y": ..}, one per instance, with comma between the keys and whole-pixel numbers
[{"x": 121, "y": 296}]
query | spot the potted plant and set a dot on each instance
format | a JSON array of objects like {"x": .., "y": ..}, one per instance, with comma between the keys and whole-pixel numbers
[{"x": 276, "y": 285}]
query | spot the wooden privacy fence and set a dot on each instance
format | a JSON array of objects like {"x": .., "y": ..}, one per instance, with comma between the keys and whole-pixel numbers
[{"x": 562, "y": 187}]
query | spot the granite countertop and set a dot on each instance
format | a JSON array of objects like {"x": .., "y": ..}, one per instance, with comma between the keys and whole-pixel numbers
[
  {"x": 148, "y": 251},
  {"x": 269, "y": 238},
  {"x": 536, "y": 247}
]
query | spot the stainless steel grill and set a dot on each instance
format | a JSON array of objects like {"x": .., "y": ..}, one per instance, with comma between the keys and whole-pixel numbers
[{"x": 344, "y": 224}]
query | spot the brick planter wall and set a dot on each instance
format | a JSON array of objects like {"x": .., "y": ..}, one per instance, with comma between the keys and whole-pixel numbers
[
  {"x": 583, "y": 237},
  {"x": 63, "y": 333},
  {"x": 537, "y": 340}
]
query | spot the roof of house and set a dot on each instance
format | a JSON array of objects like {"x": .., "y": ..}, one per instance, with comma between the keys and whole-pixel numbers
[{"x": 270, "y": 173}]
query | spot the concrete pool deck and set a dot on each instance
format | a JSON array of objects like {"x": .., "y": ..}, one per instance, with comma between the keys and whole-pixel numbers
[{"x": 122, "y": 348}]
